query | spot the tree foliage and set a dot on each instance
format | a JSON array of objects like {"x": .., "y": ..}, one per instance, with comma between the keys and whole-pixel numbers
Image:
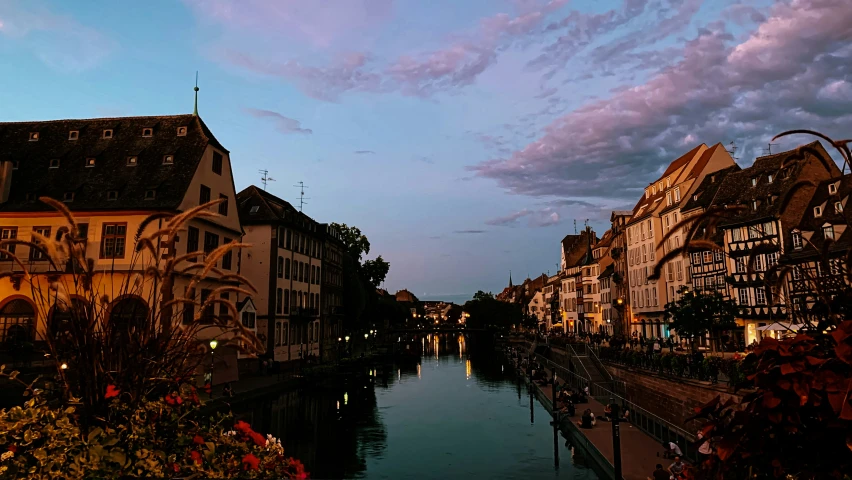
[
  {"x": 361, "y": 279},
  {"x": 355, "y": 242},
  {"x": 694, "y": 314},
  {"x": 375, "y": 271},
  {"x": 487, "y": 312}
]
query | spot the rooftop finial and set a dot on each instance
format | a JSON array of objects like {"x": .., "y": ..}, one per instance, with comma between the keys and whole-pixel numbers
[{"x": 195, "y": 110}]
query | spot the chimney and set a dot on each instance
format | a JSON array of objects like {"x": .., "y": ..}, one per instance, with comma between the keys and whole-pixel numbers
[{"x": 5, "y": 180}]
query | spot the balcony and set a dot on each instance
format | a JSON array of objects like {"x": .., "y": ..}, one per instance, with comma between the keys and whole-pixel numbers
[{"x": 304, "y": 312}]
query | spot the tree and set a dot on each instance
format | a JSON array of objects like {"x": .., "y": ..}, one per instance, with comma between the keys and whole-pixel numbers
[
  {"x": 487, "y": 312},
  {"x": 696, "y": 314},
  {"x": 356, "y": 243},
  {"x": 480, "y": 295},
  {"x": 375, "y": 271}
]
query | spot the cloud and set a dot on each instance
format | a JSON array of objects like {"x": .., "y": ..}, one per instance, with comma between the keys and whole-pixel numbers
[
  {"x": 59, "y": 41},
  {"x": 364, "y": 152},
  {"x": 535, "y": 218},
  {"x": 435, "y": 237},
  {"x": 284, "y": 125},
  {"x": 781, "y": 76},
  {"x": 469, "y": 232},
  {"x": 511, "y": 219}
]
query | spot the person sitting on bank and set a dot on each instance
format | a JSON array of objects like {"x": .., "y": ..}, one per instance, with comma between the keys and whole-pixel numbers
[
  {"x": 670, "y": 449},
  {"x": 587, "y": 420},
  {"x": 678, "y": 469},
  {"x": 660, "y": 473}
]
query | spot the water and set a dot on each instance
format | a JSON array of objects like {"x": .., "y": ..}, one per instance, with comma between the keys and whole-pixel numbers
[{"x": 457, "y": 414}]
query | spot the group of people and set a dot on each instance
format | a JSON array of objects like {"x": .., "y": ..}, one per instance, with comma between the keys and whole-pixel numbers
[{"x": 678, "y": 470}]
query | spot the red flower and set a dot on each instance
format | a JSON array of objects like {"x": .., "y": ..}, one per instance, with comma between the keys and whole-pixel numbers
[
  {"x": 251, "y": 462},
  {"x": 111, "y": 391},
  {"x": 13, "y": 448},
  {"x": 258, "y": 439},
  {"x": 173, "y": 399},
  {"x": 207, "y": 388},
  {"x": 297, "y": 470},
  {"x": 196, "y": 457},
  {"x": 243, "y": 427},
  {"x": 176, "y": 467},
  {"x": 197, "y": 440}
]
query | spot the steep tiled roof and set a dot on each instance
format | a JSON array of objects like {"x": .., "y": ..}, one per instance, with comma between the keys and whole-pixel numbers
[
  {"x": 706, "y": 191},
  {"x": 406, "y": 296},
  {"x": 575, "y": 247},
  {"x": 270, "y": 208},
  {"x": 737, "y": 188},
  {"x": 811, "y": 223},
  {"x": 682, "y": 161},
  {"x": 645, "y": 205},
  {"x": 33, "y": 176}
]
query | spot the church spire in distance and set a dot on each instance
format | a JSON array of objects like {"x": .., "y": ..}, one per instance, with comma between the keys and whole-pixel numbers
[{"x": 510, "y": 279}]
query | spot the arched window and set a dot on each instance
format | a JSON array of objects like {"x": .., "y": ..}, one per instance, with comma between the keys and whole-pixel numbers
[
  {"x": 62, "y": 317},
  {"x": 127, "y": 317},
  {"x": 286, "y": 301},
  {"x": 17, "y": 321},
  {"x": 279, "y": 301},
  {"x": 280, "y": 267},
  {"x": 287, "y": 268}
]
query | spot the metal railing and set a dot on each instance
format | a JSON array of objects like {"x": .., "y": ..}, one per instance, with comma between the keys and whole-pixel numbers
[
  {"x": 654, "y": 426},
  {"x": 574, "y": 354},
  {"x": 600, "y": 365}
]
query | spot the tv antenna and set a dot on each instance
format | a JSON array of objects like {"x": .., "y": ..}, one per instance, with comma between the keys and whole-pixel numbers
[
  {"x": 768, "y": 149},
  {"x": 575, "y": 226},
  {"x": 732, "y": 149},
  {"x": 302, "y": 198},
  {"x": 265, "y": 178}
]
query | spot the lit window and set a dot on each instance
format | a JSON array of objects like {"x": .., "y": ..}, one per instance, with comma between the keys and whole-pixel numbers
[
  {"x": 769, "y": 178},
  {"x": 73, "y": 135},
  {"x": 168, "y": 159},
  {"x": 132, "y": 161},
  {"x": 90, "y": 162},
  {"x": 828, "y": 231},
  {"x": 181, "y": 131},
  {"x": 817, "y": 211},
  {"x": 147, "y": 132},
  {"x": 33, "y": 136},
  {"x": 838, "y": 207},
  {"x": 832, "y": 188},
  {"x": 108, "y": 133},
  {"x": 753, "y": 182},
  {"x": 797, "y": 240}
]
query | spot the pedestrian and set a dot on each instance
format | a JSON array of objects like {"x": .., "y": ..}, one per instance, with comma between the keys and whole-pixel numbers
[
  {"x": 670, "y": 449},
  {"x": 678, "y": 469},
  {"x": 660, "y": 473},
  {"x": 657, "y": 348}
]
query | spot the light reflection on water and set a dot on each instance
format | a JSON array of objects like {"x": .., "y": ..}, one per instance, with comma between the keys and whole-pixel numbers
[{"x": 459, "y": 413}]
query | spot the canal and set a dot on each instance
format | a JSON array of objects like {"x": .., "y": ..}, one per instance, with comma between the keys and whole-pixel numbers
[{"x": 459, "y": 412}]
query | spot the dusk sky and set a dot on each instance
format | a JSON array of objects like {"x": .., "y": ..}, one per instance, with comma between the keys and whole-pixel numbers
[{"x": 464, "y": 137}]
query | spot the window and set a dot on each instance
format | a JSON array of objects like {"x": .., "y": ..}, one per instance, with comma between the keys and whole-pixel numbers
[
  {"x": 644, "y": 253},
  {"x": 207, "y": 311},
  {"x": 318, "y": 275},
  {"x": 287, "y": 244},
  {"x": 204, "y": 196},
  {"x": 743, "y": 296},
  {"x": 279, "y": 301},
  {"x": 8, "y": 233},
  {"x": 760, "y": 296},
  {"x": 754, "y": 205},
  {"x": 797, "y": 273},
  {"x": 16, "y": 164},
  {"x": 769, "y": 228},
  {"x": 280, "y": 267},
  {"x": 248, "y": 319},
  {"x": 710, "y": 282},
  {"x": 227, "y": 258},
  {"x": 720, "y": 281},
  {"x": 832, "y": 188},
  {"x": 769, "y": 178},
  {"x": 188, "y": 308},
  {"x": 739, "y": 266},
  {"x": 834, "y": 267},
  {"x": 679, "y": 270},
  {"x": 90, "y": 162},
  {"x": 192, "y": 240},
  {"x": 736, "y": 235},
  {"x": 113, "y": 240},
  {"x": 68, "y": 197},
  {"x": 301, "y": 272},
  {"x": 54, "y": 163},
  {"x": 33, "y": 136},
  {"x": 670, "y": 272},
  {"x": 211, "y": 242},
  {"x": 73, "y": 135},
  {"x": 107, "y": 133},
  {"x": 754, "y": 181},
  {"x": 696, "y": 258},
  {"x": 817, "y": 211},
  {"x": 797, "y": 240},
  {"x": 838, "y": 207},
  {"x": 677, "y": 194},
  {"x": 699, "y": 282},
  {"x": 295, "y": 270},
  {"x": 150, "y": 194},
  {"x": 132, "y": 161},
  {"x": 254, "y": 209},
  {"x": 650, "y": 229},
  {"x": 718, "y": 255},
  {"x": 313, "y": 278},
  {"x": 758, "y": 263},
  {"x": 286, "y": 301},
  {"x": 168, "y": 159},
  {"x": 217, "y": 163},
  {"x": 771, "y": 259},
  {"x": 223, "y": 207},
  {"x": 828, "y": 231},
  {"x": 287, "y": 269},
  {"x": 112, "y": 195},
  {"x": 753, "y": 232},
  {"x": 708, "y": 257},
  {"x": 147, "y": 132},
  {"x": 669, "y": 198},
  {"x": 181, "y": 131}
]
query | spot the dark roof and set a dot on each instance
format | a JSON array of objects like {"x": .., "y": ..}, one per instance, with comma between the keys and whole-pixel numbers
[
  {"x": 34, "y": 177},
  {"x": 406, "y": 296},
  {"x": 706, "y": 191},
  {"x": 811, "y": 223},
  {"x": 737, "y": 187},
  {"x": 576, "y": 247},
  {"x": 651, "y": 200},
  {"x": 270, "y": 209}
]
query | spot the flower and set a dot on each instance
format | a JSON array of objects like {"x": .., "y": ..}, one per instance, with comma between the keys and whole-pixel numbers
[
  {"x": 251, "y": 462},
  {"x": 12, "y": 448},
  {"x": 198, "y": 440},
  {"x": 258, "y": 439},
  {"x": 111, "y": 392},
  {"x": 196, "y": 457},
  {"x": 172, "y": 399},
  {"x": 176, "y": 467},
  {"x": 297, "y": 470},
  {"x": 243, "y": 427}
]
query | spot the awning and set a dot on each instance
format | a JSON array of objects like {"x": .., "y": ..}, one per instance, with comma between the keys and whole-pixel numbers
[{"x": 778, "y": 326}]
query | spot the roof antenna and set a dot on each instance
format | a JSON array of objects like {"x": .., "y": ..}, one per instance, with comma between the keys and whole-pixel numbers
[
  {"x": 265, "y": 178},
  {"x": 732, "y": 149},
  {"x": 195, "y": 111},
  {"x": 768, "y": 149},
  {"x": 302, "y": 198},
  {"x": 575, "y": 226}
]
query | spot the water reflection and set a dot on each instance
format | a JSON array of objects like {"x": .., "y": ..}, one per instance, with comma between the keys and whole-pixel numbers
[{"x": 458, "y": 413}]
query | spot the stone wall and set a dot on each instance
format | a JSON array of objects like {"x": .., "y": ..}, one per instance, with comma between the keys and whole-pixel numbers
[{"x": 670, "y": 399}]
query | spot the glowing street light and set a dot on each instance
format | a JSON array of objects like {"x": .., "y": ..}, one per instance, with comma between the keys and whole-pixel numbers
[
  {"x": 366, "y": 336},
  {"x": 64, "y": 366},
  {"x": 346, "y": 337},
  {"x": 213, "y": 344}
]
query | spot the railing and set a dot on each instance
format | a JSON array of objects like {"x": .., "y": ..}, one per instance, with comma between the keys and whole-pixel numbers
[
  {"x": 600, "y": 365},
  {"x": 712, "y": 368},
  {"x": 654, "y": 426},
  {"x": 574, "y": 354}
]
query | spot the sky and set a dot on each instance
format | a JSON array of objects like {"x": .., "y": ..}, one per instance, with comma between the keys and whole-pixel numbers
[{"x": 464, "y": 137}]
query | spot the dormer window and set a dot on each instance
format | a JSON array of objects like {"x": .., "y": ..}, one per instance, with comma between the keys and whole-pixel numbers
[
  {"x": 754, "y": 182},
  {"x": 112, "y": 195},
  {"x": 68, "y": 197},
  {"x": 254, "y": 209},
  {"x": 754, "y": 205},
  {"x": 817, "y": 211},
  {"x": 150, "y": 194},
  {"x": 54, "y": 163},
  {"x": 132, "y": 161},
  {"x": 695, "y": 197},
  {"x": 832, "y": 188},
  {"x": 147, "y": 132},
  {"x": 797, "y": 240},
  {"x": 33, "y": 136},
  {"x": 90, "y": 162},
  {"x": 181, "y": 131},
  {"x": 828, "y": 231},
  {"x": 16, "y": 164},
  {"x": 838, "y": 207},
  {"x": 73, "y": 135},
  {"x": 107, "y": 133},
  {"x": 769, "y": 178},
  {"x": 168, "y": 159},
  {"x": 712, "y": 178}
]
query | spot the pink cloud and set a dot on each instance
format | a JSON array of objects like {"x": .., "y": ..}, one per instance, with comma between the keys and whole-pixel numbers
[
  {"x": 284, "y": 125},
  {"x": 716, "y": 92}
]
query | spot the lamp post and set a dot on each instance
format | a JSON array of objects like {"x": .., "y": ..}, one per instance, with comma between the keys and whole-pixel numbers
[
  {"x": 616, "y": 439},
  {"x": 213, "y": 344}
]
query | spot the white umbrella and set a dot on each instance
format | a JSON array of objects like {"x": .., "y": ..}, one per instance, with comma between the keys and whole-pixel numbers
[{"x": 778, "y": 326}]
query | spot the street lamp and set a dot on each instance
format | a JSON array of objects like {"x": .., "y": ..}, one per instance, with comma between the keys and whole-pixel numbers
[
  {"x": 213, "y": 345},
  {"x": 366, "y": 336},
  {"x": 64, "y": 366}
]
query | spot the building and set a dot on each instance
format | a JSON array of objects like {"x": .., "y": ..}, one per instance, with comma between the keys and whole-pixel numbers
[
  {"x": 820, "y": 285},
  {"x": 602, "y": 299},
  {"x": 331, "y": 293},
  {"x": 762, "y": 217},
  {"x": 112, "y": 173},
  {"x": 619, "y": 287},
  {"x": 647, "y": 227},
  {"x": 535, "y": 307},
  {"x": 550, "y": 299},
  {"x": 577, "y": 254},
  {"x": 285, "y": 265}
]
